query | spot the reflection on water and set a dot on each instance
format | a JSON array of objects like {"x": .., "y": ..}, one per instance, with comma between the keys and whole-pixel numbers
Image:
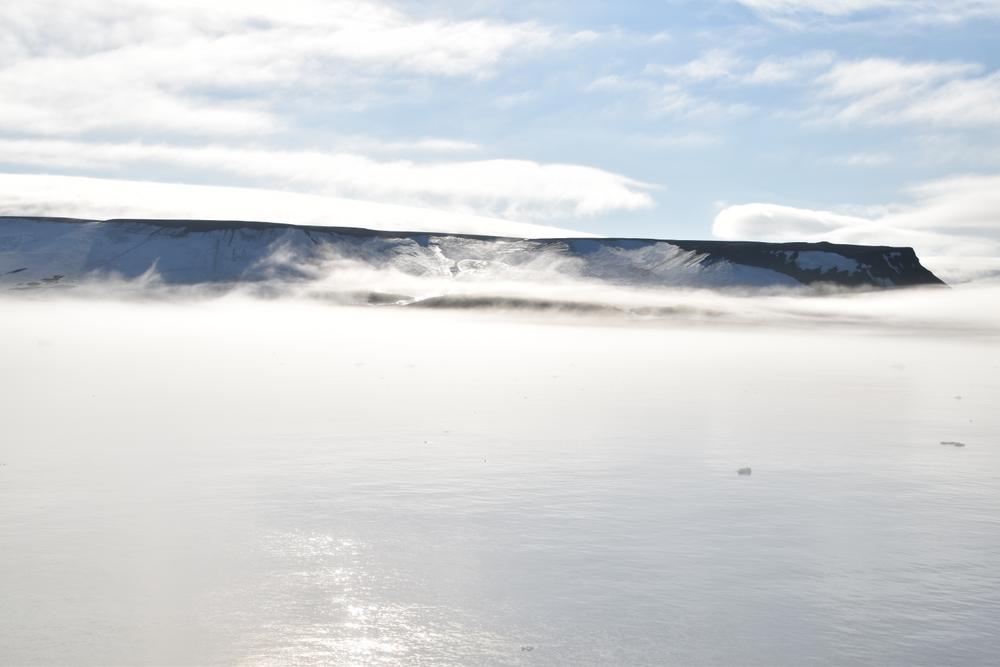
[{"x": 271, "y": 483}]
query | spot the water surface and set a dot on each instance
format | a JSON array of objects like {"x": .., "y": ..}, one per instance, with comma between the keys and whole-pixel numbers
[{"x": 289, "y": 483}]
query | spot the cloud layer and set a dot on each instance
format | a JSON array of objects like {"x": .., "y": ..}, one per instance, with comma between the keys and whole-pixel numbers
[
  {"x": 216, "y": 68},
  {"x": 100, "y": 198},
  {"x": 215, "y": 93},
  {"x": 518, "y": 189}
]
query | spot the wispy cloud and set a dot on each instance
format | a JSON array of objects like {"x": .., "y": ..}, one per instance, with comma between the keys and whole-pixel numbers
[
  {"x": 709, "y": 86},
  {"x": 830, "y": 7},
  {"x": 864, "y": 159},
  {"x": 870, "y": 91},
  {"x": 786, "y": 69},
  {"x": 722, "y": 66},
  {"x": 678, "y": 140},
  {"x": 675, "y": 90},
  {"x": 709, "y": 66},
  {"x": 880, "y": 91},
  {"x": 924, "y": 11}
]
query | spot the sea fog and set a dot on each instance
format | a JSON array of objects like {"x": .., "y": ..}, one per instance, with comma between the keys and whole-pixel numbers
[{"x": 187, "y": 479}]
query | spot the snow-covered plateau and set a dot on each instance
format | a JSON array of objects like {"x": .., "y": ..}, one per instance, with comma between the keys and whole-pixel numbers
[{"x": 42, "y": 252}]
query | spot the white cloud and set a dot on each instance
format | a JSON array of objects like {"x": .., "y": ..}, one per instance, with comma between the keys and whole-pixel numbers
[
  {"x": 518, "y": 189},
  {"x": 872, "y": 91},
  {"x": 874, "y": 75},
  {"x": 880, "y": 91},
  {"x": 257, "y": 40},
  {"x": 67, "y": 196},
  {"x": 432, "y": 145},
  {"x": 968, "y": 203},
  {"x": 832, "y": 7},
  {"x": 950, "y": 11},
  {"x": 104, "y": 72},
  {"x": 711, "y": 65},
  {"x": 691, "y": 89},
  {"x": 718, "y": 65},
  {"x": 217, "y": 67},
  {"x": 675, "y": 101},
  {"x": 773, "y": 222},
  {"x": 952, "y": 224},
  {"x": 669, "y": 98},
  {"x": 680, "y": 140},
  {"x": 864, "y": 159},
  {"x": 777, "y": 69}
]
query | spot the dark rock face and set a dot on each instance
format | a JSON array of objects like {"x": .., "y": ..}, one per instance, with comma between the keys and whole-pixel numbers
[
  {"x": 189, "y": 252},
  {"x": 882, "y": 265}
]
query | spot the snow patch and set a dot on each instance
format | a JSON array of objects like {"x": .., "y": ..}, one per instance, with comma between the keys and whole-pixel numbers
[{"x": 818, "y": 260}]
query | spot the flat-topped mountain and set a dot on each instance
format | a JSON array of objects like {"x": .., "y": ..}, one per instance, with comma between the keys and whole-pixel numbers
[{"x": 36, "y": 251}]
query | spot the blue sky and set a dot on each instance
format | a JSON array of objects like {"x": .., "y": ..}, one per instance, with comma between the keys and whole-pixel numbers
[{"x": 869, "y": 121}]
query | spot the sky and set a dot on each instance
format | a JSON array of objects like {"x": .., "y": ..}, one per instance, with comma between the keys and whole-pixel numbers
[{"x": 861, "y": 121}]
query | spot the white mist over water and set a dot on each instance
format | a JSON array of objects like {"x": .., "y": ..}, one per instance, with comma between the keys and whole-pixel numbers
[{"x": 257, "y": 482}]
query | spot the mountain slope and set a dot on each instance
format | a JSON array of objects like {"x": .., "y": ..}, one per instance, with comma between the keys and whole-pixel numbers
[{"x": 190, "y": 252}]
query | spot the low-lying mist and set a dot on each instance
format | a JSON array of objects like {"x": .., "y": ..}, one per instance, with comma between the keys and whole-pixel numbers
[
  {"x": 969, "y": 308},
  {"x": 55, "y": 339},
  {"x": 169, "y": 344}
]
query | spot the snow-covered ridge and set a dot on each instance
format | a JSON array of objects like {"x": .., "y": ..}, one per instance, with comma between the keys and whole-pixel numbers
[{"x": 41, "y": 251}]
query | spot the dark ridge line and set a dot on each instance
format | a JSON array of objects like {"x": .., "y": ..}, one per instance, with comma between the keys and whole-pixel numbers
[{"x": 212, "y": 225}]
